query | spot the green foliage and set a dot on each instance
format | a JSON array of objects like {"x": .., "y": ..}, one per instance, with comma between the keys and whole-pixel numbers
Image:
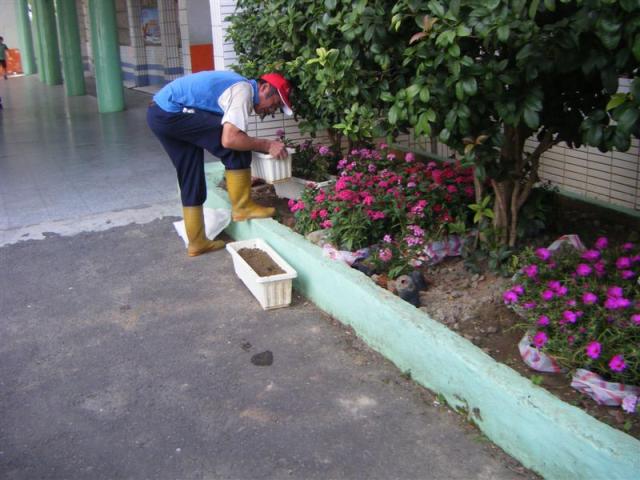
[
  {"x": 536, "y": 66},
  {"x": 339, "y": 55}
]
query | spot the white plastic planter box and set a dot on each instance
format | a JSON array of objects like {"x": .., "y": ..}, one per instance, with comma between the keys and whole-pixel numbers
[
  {"x": 271, "y": 169},
  {"x": 294, "y": 186},
  {"x": 271, "y": 292}
]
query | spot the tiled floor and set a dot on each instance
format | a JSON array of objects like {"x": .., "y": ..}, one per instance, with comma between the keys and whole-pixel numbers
[{"x": 60, "y": 159}]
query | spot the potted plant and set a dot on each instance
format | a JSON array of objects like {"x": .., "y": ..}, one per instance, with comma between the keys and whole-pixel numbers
[{"x": 311, "y": 166}]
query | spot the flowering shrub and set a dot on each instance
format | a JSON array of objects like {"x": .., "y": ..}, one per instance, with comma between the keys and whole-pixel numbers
[
  {"x": 398, "y": 204},
  {"x": 584, "y": 307}
]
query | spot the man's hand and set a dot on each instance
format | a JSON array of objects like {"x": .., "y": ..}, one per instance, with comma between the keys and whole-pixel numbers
[{"x": 278, "y": 150}]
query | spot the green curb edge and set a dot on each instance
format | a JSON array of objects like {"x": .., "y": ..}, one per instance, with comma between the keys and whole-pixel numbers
[{"x": 546, "y": 434}]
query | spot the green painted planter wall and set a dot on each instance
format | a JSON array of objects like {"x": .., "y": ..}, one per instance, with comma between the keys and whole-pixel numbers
[{"x": 547, "y": 435}]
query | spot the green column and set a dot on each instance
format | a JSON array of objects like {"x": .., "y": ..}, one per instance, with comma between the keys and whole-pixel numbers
[
  {"x": 70, "y": 45},
  {"x": 106, "y": 55},
  {"x": 25, "y": 39},
  {"x": 37, "y": 40},
  {"x": 49, "y": 45}
]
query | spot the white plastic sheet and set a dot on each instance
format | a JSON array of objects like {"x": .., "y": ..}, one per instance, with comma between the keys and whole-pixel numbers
[{"x": 215, "y": 221}]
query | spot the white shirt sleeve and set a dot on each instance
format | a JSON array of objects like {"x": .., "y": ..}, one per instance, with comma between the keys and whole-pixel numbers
[{"x": 237, "y": 103}]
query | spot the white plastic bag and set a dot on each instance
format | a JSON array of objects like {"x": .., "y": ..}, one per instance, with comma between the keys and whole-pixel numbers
[{"x": 215, "y": 220}]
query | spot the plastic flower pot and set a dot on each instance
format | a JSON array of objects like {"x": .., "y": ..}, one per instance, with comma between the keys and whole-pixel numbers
[
  {"x": 270, "y": 169},
  {"x": 271, "y": 292}
]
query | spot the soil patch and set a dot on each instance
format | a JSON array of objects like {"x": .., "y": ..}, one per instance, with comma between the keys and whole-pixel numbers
[
  {"x": 471, "y": 304},
  {"x": 260, "y": 261}
]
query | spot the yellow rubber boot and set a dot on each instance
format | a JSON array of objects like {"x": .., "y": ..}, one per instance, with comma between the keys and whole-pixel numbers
[
  {"x": 194, "y": 225},
  {"x": 239, "y": 189}
]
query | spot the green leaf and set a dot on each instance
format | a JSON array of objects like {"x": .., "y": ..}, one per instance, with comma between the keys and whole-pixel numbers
[
  {"x": 628, "y": 119},
  {"x": 470, "y": 86},
  {"x": 525, "y": 52},
  {"x": 413, "y": 90},
  {"x": 436, "y": 8},
  {"x": 533, "y": 8},
  {"x": 616, "y": 100},
  {"x": 454, "y": 50},
  {"x": 531, "y": 118},
  {"x": 393, "y": 115},
  {"x": 425, "y": 94},
  {"x": 330, "y": 4},
  {"x": 423, "y": 126},
  {"x": 459, "y": 91},
  {"x": 550, "y": 5},
  {"x": 503, "y": 33},
  {"x": 463, "y": 31},
  {"x": 636, "y": 47}
]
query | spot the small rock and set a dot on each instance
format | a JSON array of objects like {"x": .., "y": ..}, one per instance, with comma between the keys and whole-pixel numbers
[
  {"x": 391, "y": 286},
  {"x": 481, "y": 278},
  {"x": 456, "y": 326},
  {"x": 474, "y": 284},
  {"x": 456, "y": 294},
  {"x": 468, "y": 336},
  {"x": 262, "y": 359},
  {"x": 492, "y": 329},
  {"x": 424, "y": 309},
  {"x": 475, "y": 277},
  {"x": 317, "y": 237}
]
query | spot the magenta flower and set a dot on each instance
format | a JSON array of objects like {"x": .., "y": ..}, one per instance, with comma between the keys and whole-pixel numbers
[
  {"x": 409, "y": 157},
  {"x": 627, "y": 274},
  {"x": 510, "y": 297},
  {"x": 571, "y": 303},
  {"x": 323, "y": 213},
  {"x": 593, "y": 349},
  {"x": 561, "y": 291},
  {"x": 630, "y": 403},
  {"x": 383, "y": 146},
  {"x": 529, "y": 305},
  {"x": 391, "y": 157},
  {"x": 530, "y": 271},
  {"x": 591, "y": 255},
  {"x": 589, "y": 298},
  {"x": 599, "y": 268},
  {"x": 611, "y": 303},
  {"x": 635, "y": 318},
  {"x": 385, "y": 254},
  {"x": 623, "y": 263},
  {"x": 602, "y": 243},
  {"x": 543, "y": 254},
  {"x": 615, "y": 292},
  {"x": 543, "y": 321},
  {"x": 519, "y": 289},
  {"x": 547, "y": 295},
  {"x": 554, "y": 285},
  {"x": 326, "y": 224},
  {"x": 569, "y": 316},
  {"x": 323, "y": 150},
  {"x": 617, "y": 363},
  {"x": 387, "y": 238},
  {"x": 583, "y": 270},
  {"x": 627, "y": 246},
  {"x": 540, "y": 339}
]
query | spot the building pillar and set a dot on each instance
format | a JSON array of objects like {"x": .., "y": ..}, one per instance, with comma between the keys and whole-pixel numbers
[
  {"x": 106, "y": 55},
  {"x": 168, "y": 18},
  {"x": 70, "y": 43},
  {"x": 134, "y": 12},
  {"x": 49, "y": 42},
  {"x": 37, "y": 39},
  {"x": 26, "y": 40}
]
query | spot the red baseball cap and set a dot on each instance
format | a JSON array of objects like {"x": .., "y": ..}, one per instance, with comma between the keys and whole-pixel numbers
[{"x": 284, "y": 88}]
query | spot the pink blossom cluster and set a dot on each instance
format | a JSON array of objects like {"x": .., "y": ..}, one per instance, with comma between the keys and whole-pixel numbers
[{"x": 584, "y": 306}]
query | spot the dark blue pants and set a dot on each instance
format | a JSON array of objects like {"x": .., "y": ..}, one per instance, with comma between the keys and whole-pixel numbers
[{"x": 185, "y": 137}]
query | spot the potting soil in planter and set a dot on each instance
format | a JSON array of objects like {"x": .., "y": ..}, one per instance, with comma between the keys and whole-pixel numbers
[{"x": 260, "y": 262}]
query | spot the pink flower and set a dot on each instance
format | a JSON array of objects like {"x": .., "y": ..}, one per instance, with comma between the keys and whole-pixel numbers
[
  {"x": 368, "y": 200},
  {"x": 635, "y": 318},
  {"x": 589, "y": 298},
  {"x": 540, "y": 339},
  {"x": 593, "y": 349},
  {"x": 627, "y": 274},
  {"x": 510, "y": 297},
  {"x": 385, "y": 254},
  {"x": 383, "y": 146},
  {"x": 391, "y": 157},
  {"x": 519, "y": 289},
  {"x": 561, "y": 291},
  {"x": 583, "y": 270},
  {"x": 571, "y": 303},
  {"x": 599, "y": 268},
  {"x": 617, "y": 363},
  {"x": 323, "y": 213},
  {"x": 543, "y": 254},
  {"x": 569, "y": 316},
  {"x": 602, "y": 243},
  {"x": 387, "y": 238},
  {"x": 554, "y": 285},
  {"x": 409, "y": 157},
  {"x": 452, "y": 188},
  {"x": 591, "y": 255},
  {"x": 530, "y": 271},
  {"x": 615, "y": 292},
  {"x": 623, "y": 263},
  {"x": 529, "y": 305},
  {"x": 627, "y": 246},
  {"x": 547, "y": 295},
  {"x": 326, "y": 224},
  {"x": 543, "y": 321},
  {"x": 630, "y": 403}
]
